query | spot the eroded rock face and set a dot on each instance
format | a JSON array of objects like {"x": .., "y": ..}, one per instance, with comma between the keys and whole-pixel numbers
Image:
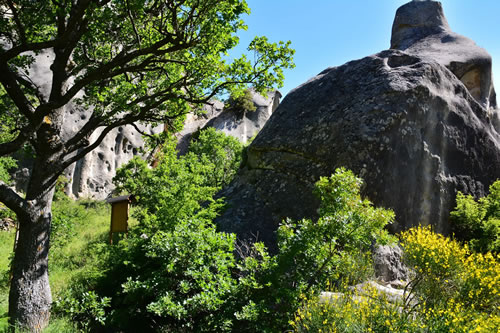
[
  {"x": 421, "y": 28},
  {"x": 403, "y": 121},
  {"x": 241, "y": 126},
  {"x": 92, "y": 175}
]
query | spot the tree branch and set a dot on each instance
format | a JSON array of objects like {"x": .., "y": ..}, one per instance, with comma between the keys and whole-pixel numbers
[
  {"x": 133, "y": 24},
  {"x": 14, "y": 145},
  {"x": 19, "y": 25},
  {"x": 11, "y": 199},
  {"x": 9, "y": 82}
]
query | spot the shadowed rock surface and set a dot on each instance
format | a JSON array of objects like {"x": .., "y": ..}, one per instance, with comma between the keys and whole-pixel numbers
[{"x": 402, "y": 120}]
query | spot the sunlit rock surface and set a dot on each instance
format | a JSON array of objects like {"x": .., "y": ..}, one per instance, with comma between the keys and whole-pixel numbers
[
  {"x": 404, "y": 120},
  {"x": 242, "y": 126},
  {"x": 91, "y": 176},
  {"x": 421, "y": 28}
]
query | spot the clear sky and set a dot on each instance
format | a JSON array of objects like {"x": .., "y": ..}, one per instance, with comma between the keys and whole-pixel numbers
[{"x": 328, "y": 33}]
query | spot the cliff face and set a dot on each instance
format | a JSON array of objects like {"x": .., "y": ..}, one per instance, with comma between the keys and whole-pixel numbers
[
  {"x": 243, "y": 126},
  {"x": 92, "y": 175},
  {"x": 407, "y": 120}
]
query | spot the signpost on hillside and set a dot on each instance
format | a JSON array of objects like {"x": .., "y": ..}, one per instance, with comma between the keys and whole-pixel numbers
[{"x": 120, "y": 207}]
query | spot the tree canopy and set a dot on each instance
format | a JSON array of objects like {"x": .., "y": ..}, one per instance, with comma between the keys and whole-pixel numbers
[{"x": 119, "y": 62}]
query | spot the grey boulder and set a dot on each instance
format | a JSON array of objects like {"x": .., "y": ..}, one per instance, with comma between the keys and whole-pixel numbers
[{"x": 403, "y": 121}]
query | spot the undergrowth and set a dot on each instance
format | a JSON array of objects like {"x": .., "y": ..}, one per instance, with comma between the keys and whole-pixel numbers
[{"x": 79, "y": 227}]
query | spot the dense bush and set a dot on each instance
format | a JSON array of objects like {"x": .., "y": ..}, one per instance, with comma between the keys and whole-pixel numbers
[
  {"x": 223, "y": 153},
  {"x": 478, "y": 221},
  {"x": 176, "y": 273},
  {"x": 240, "y": 102},
  {"x": 452, "y": 290}
]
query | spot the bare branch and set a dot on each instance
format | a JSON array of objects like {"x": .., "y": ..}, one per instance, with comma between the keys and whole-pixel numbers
[
  {"x": 15, "y": 51},
  {"x": 14, "y": 145},
  {"x": 8, "y": 80},
  {"x": 133, "y": 24}
]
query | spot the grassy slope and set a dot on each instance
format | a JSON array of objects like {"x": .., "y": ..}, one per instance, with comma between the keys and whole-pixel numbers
[
  {"x": 6, "y": 243},
  {"x": 85, "y": 226}
]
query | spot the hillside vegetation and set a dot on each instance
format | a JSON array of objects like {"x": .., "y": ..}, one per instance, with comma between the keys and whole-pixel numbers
[{"x": 174, "y": 272}]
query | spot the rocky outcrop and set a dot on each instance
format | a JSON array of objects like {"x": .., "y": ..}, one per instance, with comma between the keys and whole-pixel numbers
[
  {"x": 420, "y": 28},
  {"x": 242, "y": 126},
  {"x": 92, "y": 175},
  {"x": 388, "y": 263},
  {"x": 403, "y": 121}
]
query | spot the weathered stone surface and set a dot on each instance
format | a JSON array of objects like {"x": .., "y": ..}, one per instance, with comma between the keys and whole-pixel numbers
[
  {"x": 241, "y": 126},
  {"x": 92, "y": 175},
  {"x": 421, "y": 28},
  {"x": 402, "y": 121},
  {"x": 388, "y": 263}
]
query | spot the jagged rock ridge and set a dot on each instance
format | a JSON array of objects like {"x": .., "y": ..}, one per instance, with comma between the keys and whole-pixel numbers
[
  {"x": 92, "y": 175},
  {"x": 404, "y": 120}
]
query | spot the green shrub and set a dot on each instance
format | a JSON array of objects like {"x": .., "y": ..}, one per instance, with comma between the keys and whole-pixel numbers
[
  {"x": 86, "y": 309},
  {"x": 240, "y": 102},
  {"x": 478, "y": 221},
  {"x": 314, "y": 254},
  {"x": 176, "y": 273},
  {"x": 65, "y": 215},
  {"x": 6, "y": 163},
  {"x": 178, "y": 187},
  {"x": 222, "y": 152}
]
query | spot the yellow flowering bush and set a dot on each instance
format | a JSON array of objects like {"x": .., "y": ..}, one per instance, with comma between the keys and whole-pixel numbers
[
  {"x": 374, "y": 313},
  {"x": 447, "y": 270},
  {"x": 480, "y": 282},
  {"x": 453, "y": 290}
]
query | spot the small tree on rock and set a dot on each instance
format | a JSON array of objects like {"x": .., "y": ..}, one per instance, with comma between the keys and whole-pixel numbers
[{"x": 240, "y": 102}]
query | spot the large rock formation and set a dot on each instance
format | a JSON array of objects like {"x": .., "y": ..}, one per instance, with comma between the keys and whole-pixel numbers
[
  {"x": 406, "y": 120},
  {"x": 243, "y": 126}
]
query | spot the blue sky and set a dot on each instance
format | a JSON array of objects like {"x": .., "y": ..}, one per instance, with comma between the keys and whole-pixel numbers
[{"x": 328, "y": 33}]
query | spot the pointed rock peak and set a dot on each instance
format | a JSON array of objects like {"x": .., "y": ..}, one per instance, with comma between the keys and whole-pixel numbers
[
  {"x": 416, "y": 20},
  {"x": 421, "y": 29}
]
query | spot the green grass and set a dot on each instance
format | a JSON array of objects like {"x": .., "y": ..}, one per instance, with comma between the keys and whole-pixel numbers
[
  {"x": 6, "y": 244},
  {"x": 81, "y": 227}
]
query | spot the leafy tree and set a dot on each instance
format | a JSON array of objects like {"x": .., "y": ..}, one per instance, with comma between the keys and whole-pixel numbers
[
  {"x": 223, "y": 152},
  {"x": 123, "y": 62},
  {"x": 240, "y": 102},
  {"x": 478, "y": 221}
]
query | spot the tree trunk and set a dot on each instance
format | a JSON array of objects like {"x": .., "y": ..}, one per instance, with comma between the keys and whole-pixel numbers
[{"x": 30, "y": 298}]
